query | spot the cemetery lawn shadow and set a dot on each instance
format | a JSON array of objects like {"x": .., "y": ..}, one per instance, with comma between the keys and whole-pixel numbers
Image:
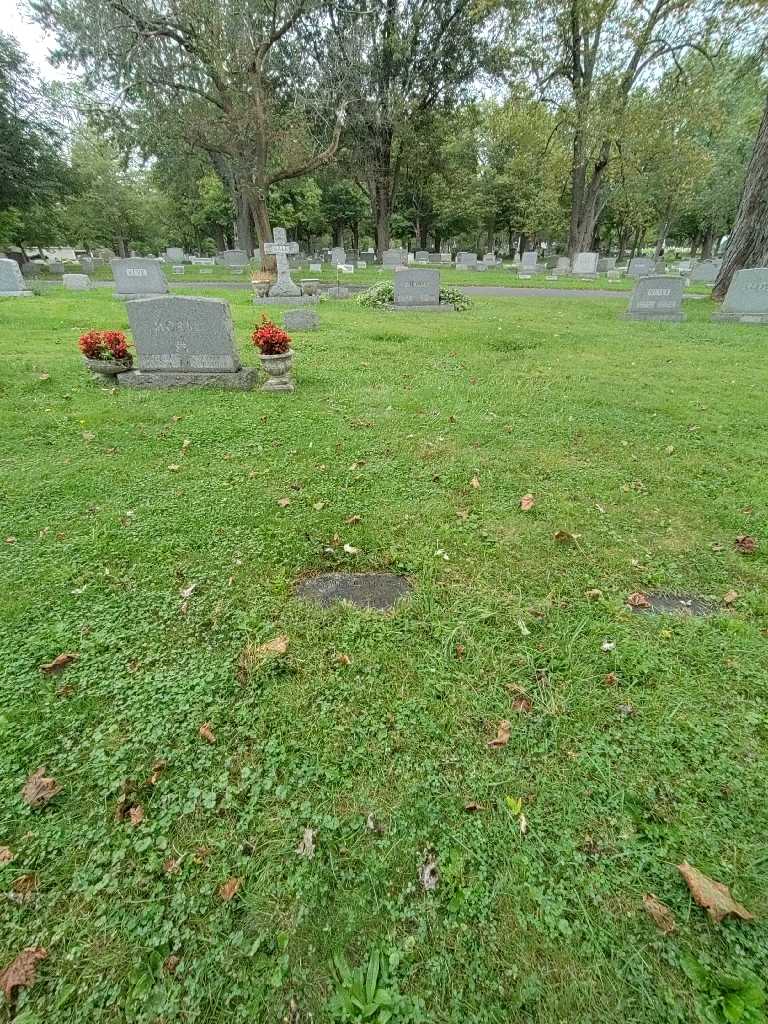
[{"x": 147, "y": 534}]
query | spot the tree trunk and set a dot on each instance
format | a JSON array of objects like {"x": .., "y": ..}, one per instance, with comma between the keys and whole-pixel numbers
[
  {"x": 221, "y": 242},
  {"x": 622, "y": 241},
  {"x": 694, "y": 246},
  {"x": 748, "y": 243},
  {"x": 522, "y": 245},
  {"x": 423, "y": 235},
  {"x": 244, "y": 236},
  {"x": 356, "y": 236},
  {"x": 263, "y": 228},
  {"x": 706, "y": 245},
  {"x": 661, "y": 236},
  {"x": 382, "y": 212},
  {"x": 635, "y": 242},
  {"x": 585, "y": 194}
]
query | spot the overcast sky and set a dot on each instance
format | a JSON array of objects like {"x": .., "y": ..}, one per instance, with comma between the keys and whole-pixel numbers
[{"x": 32, "y": 40}]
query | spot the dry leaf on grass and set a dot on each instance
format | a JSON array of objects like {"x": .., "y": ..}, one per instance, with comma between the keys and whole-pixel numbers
[
  {"x": 306, "y": 847},
  {"x": 343, "y": 659},
  {"x": 472, "y": 807},
  {"x": 136, "y": 814},
  {"x": 460, "y": 651},
  {"x": 171, "y": 963},
  {"x": 501, "y": 739},
  {"x": 59, "y": 663},
  {"x": 522, "y": 704},
  {"x": 319, "y": 506},
  {"x": 594, "y": 594},
  {"x": 277, "y": 646},
  {"x": 746, "y": 545},
  {"x": 173, "y": 468},
  {"x": 662, "y": 916},
  {"x": 638, "y": 600},
  {"x": 730, "y": 597},
  {"x": 156, "y": 771},
  {"x": 206, "y": 733},
  {"x": 24, "y": 886},
  {"x": 429, "y": 876},
  {"x": 475, "y": 483},
  {"x": 187, "y": 592},
  {"x": 566, "y": 537},
  {"x": 6, "y": 855},
  {"x": 21, "y": 971},
  {"x": 463, "y": 514},
  {"x": 610, "y": 679},
  {"x": 527, "y": 502},
  {"x": 39, "y": 789},
  {"x": 352, "y": 520},
  {"x": 229, "y": 889},
  {"x": 713, "y": 896},
  {"x": 171, "y": 865},
  {"x": 283, "y": 502}
]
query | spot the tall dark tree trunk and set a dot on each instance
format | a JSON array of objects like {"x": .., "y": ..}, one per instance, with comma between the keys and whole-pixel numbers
[
  {"x": 585, "y": 193},
  {"x": 622, "y": 242},
  {"x": 748, "y": 243},
  {"x": 423, "y": 235},
  {"x": 694, "y": 246},
  {"x": 635, "y": 242},
  {"x": 244, "y": 236},
  {"x": 221, "y": 241},
  {"x": 263, "y": 228},
  {"x": 706, "y": 245},
  {"x": 356, "y": 236},
  {"x": 523, "y": 244}
]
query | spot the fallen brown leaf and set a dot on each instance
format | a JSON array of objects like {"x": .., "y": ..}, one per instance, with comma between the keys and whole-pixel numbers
[
  {"x": 229, "y": 889},
  {"x": 502, "y": 735},
  {"x": 352, "y": 520},
  {"x": 460, "y": 650},
  {"x": 713, "y": 896},
  {"x": 171, "y": 865},
  {"x": 610, "y": 679},
  {"x": 136, "y": 814},
  {"x": 594, "y": 594},
  {"x": 306, "y": 847},
  {"x": 283, "y": 502},
  {"x": 343, "y": 659},
  {"x": 566, "y": 537},
  {"x": 206, "y": 733},
  {"x": 21, "y": 971},
  {"x": 25, "y": 885},
  {"x": 350, "y": 550},
  {"x": 171, "y": 963},
  {"x": 6, "y": 855},
  {"x": 522, "y": 704},
  {"x": 472, "y": 807},
  {"x": 156, "y": 771},
  {"x": 475, "y": 482},
  {"x": 638, "y": 600},
  {"x": 277, "y": 646},
  {"x": 746, "y": 545},
  {"x": 39, "y": 789},
  {"x": 527, "y": 502},
  {"x": 463, "y": 514},
  {"x": 59, "y": 663},
  {"x": 730, "y": 597},
  {"x": 319, "y": 506},
  {"x": 662, "y": 916}
]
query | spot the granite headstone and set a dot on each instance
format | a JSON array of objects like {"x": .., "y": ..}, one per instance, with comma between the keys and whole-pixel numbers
[
  {"x": 11, "y": 281},
  {"x": 746, "y": 301},
  {"x": 138, "y": 278},
  {"x": 657, "y": 297},
  {"x": 417, "y": 288}
]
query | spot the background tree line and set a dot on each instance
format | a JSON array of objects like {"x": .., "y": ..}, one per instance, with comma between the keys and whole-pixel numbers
[{"x": 584, "y": 123}]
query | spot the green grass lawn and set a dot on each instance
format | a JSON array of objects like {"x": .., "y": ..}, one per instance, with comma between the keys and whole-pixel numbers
[{"x": 646, "y": 440}]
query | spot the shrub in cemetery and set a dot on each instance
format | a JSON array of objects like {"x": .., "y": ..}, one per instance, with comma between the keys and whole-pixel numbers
[
  {"x": 105, "y": 346},
  {"x": 383, "y": 294},
  {"x": 270, "y": 339}
]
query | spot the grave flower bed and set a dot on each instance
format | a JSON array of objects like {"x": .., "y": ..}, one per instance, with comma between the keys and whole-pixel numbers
[
  {"x": 274, "y": 344},
  {"x": 106, "y": 352},
  {"x": 382, "y": 295}
]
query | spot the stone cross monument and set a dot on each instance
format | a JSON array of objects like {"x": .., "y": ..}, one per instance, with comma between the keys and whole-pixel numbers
[{"x": 281, "y": 248}]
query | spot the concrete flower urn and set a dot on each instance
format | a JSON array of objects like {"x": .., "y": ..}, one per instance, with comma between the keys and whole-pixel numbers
[
  {"x": 106, "y": 367},
  {"x": 310, "y": 285},
  {"x": 278, "y": 371}
]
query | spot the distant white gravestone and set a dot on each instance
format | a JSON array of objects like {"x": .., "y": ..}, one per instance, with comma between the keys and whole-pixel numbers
[
  {"x": 281, "y": 249},
  {"x": 138, "y": 278},
  {"x": 11, "y": 281},
  {"x": 657, "y": 298},
  {"x": 585, "y": 264},
  {"x": 747, "y": 299}
]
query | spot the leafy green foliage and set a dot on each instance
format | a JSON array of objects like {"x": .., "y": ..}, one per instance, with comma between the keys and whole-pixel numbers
[
  {"x": 368, "y": 993},
  {"x": 725, "y": 997},
  {"x": 383, "y": 294}
]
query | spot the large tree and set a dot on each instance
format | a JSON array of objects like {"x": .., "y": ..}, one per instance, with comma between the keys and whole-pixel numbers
[
  {"x": 748, "y": 243},
  {"x": 231, "y": 73},
  {"x": 404, "y": 58},
  {"x": 589, "y": 56}
]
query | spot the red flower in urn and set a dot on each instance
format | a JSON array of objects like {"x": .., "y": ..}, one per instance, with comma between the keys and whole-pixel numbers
[{"x": 271, "y": 339}]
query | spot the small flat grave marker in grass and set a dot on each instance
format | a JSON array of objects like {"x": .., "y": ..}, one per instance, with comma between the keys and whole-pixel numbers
[
  {"x": 662, "y": 602},
  {"x": 375, "y": 591}
]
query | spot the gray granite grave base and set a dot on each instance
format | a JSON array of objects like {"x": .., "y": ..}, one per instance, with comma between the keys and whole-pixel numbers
[
  {"x": 16, "y": 295},
  {"x": 278, "y": 384},
  {"x": 443, "y": 307},
  {"x": 238, "y": 380},
  {"x": 375, "y": 591},
  {"x": 736, "y": 318},
  {"x": 671, "y": 318},
  {"x": 662, "y": 602},
  {"x": 286, "y": 300},
  {"x": 139, "y": 295}
]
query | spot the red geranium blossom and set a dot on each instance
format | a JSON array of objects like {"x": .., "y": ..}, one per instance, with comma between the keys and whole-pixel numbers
[
  {"x": 105, "y": 346},
  {"x": 271, "y": 339}
]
